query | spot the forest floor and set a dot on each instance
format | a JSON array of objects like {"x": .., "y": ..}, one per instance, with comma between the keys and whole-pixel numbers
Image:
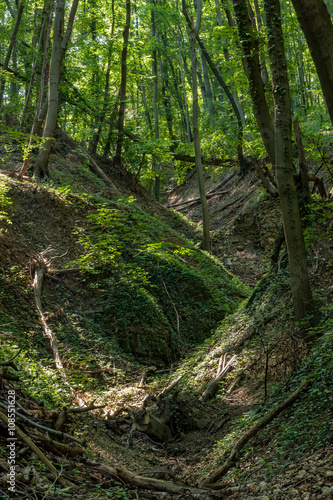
[{"x": 277, "y": 464}]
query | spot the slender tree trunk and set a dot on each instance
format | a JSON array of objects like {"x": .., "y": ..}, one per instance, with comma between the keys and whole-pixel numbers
[
  {"x": 122, "y": 105},
  {"x": 299, "y": 279},
  {"x": 166, "y": 100},
  {"x": 227, "y": 59},
  {"x": 317, "y": 27},
  {"x": 187, "y": 116},
  {"x": 227, "y": 92},
  {"x": 263, "y": 65},
  {"x": 155, "y": 166},
  {"x": 59, "y": 47},
  {"x": 208, "y": 89},
  {"x": 39, "y": 49},
  {"x": 41, "y": 111},
  {"x": 100, "y": 118},
  {"x": 249, "y": 42},
  {"x": 196, "y": 138},
  {"x": 9, "y": 50}
]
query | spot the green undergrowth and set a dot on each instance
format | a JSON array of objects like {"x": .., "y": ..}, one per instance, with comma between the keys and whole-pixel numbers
[
  {"x": 159, "y": 292},
  {"x": 265, "y": 338},
  {"x": 150, "y": 293}
]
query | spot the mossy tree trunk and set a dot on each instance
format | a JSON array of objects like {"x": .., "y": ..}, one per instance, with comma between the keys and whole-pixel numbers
[
  {"x": 250, "y": 43},
  {"x": 196, "y": 138},
  {"x": 122, "y": 105},
  {"x": 59, "y": 47},
  {"x": 317, "y": 27},
  {"x": 299, "y": 278}
]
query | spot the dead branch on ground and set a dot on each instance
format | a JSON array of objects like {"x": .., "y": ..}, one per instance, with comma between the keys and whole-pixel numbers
[
  {"x": 214, "y": 384},
  {"x": 235, "y": 452}
]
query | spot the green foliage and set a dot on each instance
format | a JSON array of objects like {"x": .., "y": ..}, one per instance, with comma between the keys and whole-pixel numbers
[
  {"x": 159, "y": 291},
  {"x": 5, "y": 202}
]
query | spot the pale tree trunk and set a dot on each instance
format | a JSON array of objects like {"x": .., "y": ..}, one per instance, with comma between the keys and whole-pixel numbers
[
  {"x": 59, "y": 47},
  {"x": 227, "y": 57},
  {"x": 94, "y": 140},
  {"x": 10, "y": 50},
  {"x": 317, "y": 27},
  {"x": 155, "y": 166},
  {"x": 187, "y": 116},
  {"x": 299, "y": 279},
  {"x": 122, "y": 105},
  {"x": 208, "y": 89},
  {"x": 196, "y": 137},
  {"x": 263, "y": 65},
  {"x": 40, "y": 110},
  {"x": 250, "y": 45},
  {"x": 227, "y": 92},
  {"x": 38, "y": 50}
]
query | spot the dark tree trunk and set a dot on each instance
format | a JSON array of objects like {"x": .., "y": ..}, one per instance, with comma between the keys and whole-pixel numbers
[
  {"x": 249, "y": 42},
  {"x": 317, "y": 27},
  {"x": 10, "y": 50},
  {"x": 196, "y": 139},
  {"x": 122, "y": 105},
  {"x": 59, "y": 47},
  {"x": 299, "y": 279}
]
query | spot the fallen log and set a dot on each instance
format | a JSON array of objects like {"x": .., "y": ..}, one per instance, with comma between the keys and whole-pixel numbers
[
  {"x": 149, "y": 483},
  {"x": 36, "y": 450},
  {"x": 197, "y": 200},
  {"x": 235, "y": 452},
  {"x": 59, "y": 434}
]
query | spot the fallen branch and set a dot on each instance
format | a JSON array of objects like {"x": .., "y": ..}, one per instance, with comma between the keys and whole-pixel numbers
[
  {"x": 40, "y": 265},
  {"x": 197, "y": 200},
  {"x": 36, "y": 450},
  {"x": 153, "y": 484},
  {"x": 213, "y": 386},
  {"x": 59, "y": 434},
  {"x": 235, "y": 452},
  {"x": 99, "y": 172}
]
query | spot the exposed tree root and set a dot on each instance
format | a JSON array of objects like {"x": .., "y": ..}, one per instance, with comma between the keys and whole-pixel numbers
[
  {"x": 214, "y": 385},
  {"x": 235, "y": 452}
]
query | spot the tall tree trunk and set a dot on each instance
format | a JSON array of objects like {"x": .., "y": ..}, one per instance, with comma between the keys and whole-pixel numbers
[
  {"x": 249, "y": 42},
  {"x": 59, "y": 47},
  {"x": 226, "y": 90},
  {"x": 99, "y": 121},
  {"x": 41, "y": 111},
  {"x": 317, "y": 27},
  {"x": 155, "y": 166},
  {"x": 122, "y": 105},
  {"x": 187, "y": 116},
  {"x": 196, "y": 138},
  {"x": 227, "y": 58},
  {"x": 38, "y": 51},
  {"x": 208, "y": 89},
  {"x": 299, "y": 279},
  {"x": 263, "y": 66},
  {"x": 9, "y": 50}
]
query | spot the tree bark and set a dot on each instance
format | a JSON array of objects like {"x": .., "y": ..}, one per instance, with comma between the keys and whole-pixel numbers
[
  {"x": 9, "y": 50},
  {"x": 317, "y": 27},
  {"x": 155, "y": 166},
  {"x": 250, "y": 45},
  {"x": 122, "y": 105},
  {"x": 227, "y": 92},
  {"x": 59, "y": 47},
  {"x": 299, "y": 278},
  {"x": 196, "y": 138}
]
